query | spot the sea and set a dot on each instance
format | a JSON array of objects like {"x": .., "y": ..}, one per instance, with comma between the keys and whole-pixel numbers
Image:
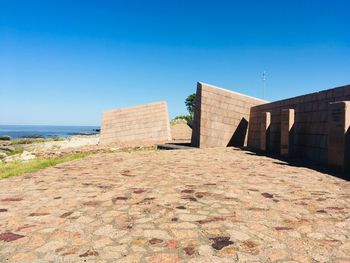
[{"x": 46, "y": 131}]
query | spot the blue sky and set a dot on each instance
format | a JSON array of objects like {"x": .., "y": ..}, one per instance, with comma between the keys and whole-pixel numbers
[{"x": 64, "y": 62}]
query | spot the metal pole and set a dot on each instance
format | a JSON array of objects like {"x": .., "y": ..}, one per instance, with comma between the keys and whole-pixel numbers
[{"x": 264, "y": 85}]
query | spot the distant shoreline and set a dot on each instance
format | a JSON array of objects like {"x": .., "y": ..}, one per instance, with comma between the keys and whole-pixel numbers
[{"x": 46, "y": 131}]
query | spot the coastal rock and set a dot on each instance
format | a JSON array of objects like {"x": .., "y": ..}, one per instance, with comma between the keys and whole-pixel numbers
[
  {"x": 26, "y": 156},
  {"x": 3, "y": 155},
  {"x": 5, "y": 138},
  {"x": 7, "y": 148},
  {"x": 9, "y": 159},
  {"x": 34, "y": 136}
]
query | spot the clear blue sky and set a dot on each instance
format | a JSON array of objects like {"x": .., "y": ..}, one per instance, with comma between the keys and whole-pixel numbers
[{"x": 64, "y": 62}]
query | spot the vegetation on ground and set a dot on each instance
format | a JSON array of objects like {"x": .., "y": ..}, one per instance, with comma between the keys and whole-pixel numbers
[
  {"x": 17, "y": 168},
  {"x": 17, "y": 150},
  {"x": 30, "y": 141},
  {"x": 190, "y": 103},
  {"x": 139, "y": 149},
  {"x": 186, "y": 118}
]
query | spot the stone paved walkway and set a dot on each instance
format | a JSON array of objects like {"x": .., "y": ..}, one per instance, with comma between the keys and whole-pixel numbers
[{"x": 214, "y": 205}]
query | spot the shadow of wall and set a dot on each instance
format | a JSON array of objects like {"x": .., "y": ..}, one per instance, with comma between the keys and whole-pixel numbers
[
  {"x": 221, "y": 117},
  {"x": 238, "y": 138}
]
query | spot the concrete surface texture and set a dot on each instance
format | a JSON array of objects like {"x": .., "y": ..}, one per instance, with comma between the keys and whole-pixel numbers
[
  {"x": 311, "y": 124},
  {"x": 201, "y": 205},
  {"x": 338, "y": 135},
  {"x": 221, "y": 117},
  {"x": 287, "y": 125},
  {"x": 180, "y": 131},
  {"x": 139, "y": 125},
  {"x": 264, "y": 130}
]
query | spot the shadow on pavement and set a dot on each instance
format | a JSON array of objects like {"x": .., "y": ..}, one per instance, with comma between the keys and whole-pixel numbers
[{"x": 296, "y": 163}]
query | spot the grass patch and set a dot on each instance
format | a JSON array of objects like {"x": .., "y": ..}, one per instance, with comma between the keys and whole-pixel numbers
[
  {"x": 139, "y": 149},
  {"x": 30, "y": 141},
  {"x": 17, "y": 150},
  {"x": 17, "y": 168}
]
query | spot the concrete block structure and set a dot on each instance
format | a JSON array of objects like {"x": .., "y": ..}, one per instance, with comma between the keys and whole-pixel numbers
[
  {"x": 287, "y": 127},
  {"x": 338, "y": 135},
  {"x": 264, "y": 130},
  {"x": 312, "y": 125},
  {"x": 221, "y": 117},
  {"x": 135, "y": 126}
]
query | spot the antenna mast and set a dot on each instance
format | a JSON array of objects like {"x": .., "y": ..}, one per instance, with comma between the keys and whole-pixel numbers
[{"x": 264, "y": 84}]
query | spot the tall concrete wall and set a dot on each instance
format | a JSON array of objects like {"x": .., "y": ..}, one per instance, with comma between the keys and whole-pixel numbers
[
  {"x": 339, "y": 135},
  {"x": 139, "y": 125},
  {"x": 221, "y": 117},
  {"x": 311, "y": 124}
]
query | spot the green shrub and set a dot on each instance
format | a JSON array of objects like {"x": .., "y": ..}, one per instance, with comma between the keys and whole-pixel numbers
[{"x": 187, "y": 118}]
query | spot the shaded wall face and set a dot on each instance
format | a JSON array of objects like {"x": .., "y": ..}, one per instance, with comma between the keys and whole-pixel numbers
[
  {"x": 139, "y": 125},
  {"x": 310, "y": 131},
  {"x": 221, "y": 117}
]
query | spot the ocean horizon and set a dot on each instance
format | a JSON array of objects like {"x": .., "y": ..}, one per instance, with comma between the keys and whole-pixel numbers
[{"x": 46, "y": 131}]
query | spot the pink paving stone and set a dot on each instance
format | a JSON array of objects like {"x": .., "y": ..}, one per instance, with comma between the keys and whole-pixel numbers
[
  {"x": 229, "y": 199},
  {"x": 9, "y": 237},
  {"x": 172, "y": 244},
  {"x": 164, "y": 258}
]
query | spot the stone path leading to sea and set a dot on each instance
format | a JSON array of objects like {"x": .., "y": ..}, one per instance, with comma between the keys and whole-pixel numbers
[{"x": 212, "y": 205}]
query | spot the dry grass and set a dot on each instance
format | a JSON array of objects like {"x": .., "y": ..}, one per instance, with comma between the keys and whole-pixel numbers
[{"x": 17, "y": 168}]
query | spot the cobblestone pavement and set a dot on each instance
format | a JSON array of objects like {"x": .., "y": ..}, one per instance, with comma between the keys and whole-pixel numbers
[{"x": 213, "y": 205}]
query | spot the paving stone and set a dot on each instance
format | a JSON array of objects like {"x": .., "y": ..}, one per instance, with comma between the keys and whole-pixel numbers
[
  {"x": 23, "y": 257},
  {"x": 229, "y": 208},
  {"x": 191, "y": 218},
  {"x": 238, "y": 235}
]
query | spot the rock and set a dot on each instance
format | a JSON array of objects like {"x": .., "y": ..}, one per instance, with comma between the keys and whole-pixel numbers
[
  {"x": 3, "y": 155},
  {"x": 5, "y": 138},
  {"x": 34, "y": 136},
  {"x": 7, "y": 148},
  {"x": 9, "y": 159},
  {"x": 26, "y": 156}
]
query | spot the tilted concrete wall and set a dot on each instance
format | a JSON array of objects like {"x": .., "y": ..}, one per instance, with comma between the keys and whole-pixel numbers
[
  {"x": 139, "y": 125},
  {"x": 221, "y": 117},
  {"x": 311, "y": 124}
]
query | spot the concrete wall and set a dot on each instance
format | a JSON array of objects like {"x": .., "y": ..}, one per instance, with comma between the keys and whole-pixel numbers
[
  {"x": 311, "y": 124},
  {"x": 139, "y": 125},
  {"x": 221, "y": 117},
  {"x": 339, "y": 136},
  {"x": 181, "y": 132}
]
